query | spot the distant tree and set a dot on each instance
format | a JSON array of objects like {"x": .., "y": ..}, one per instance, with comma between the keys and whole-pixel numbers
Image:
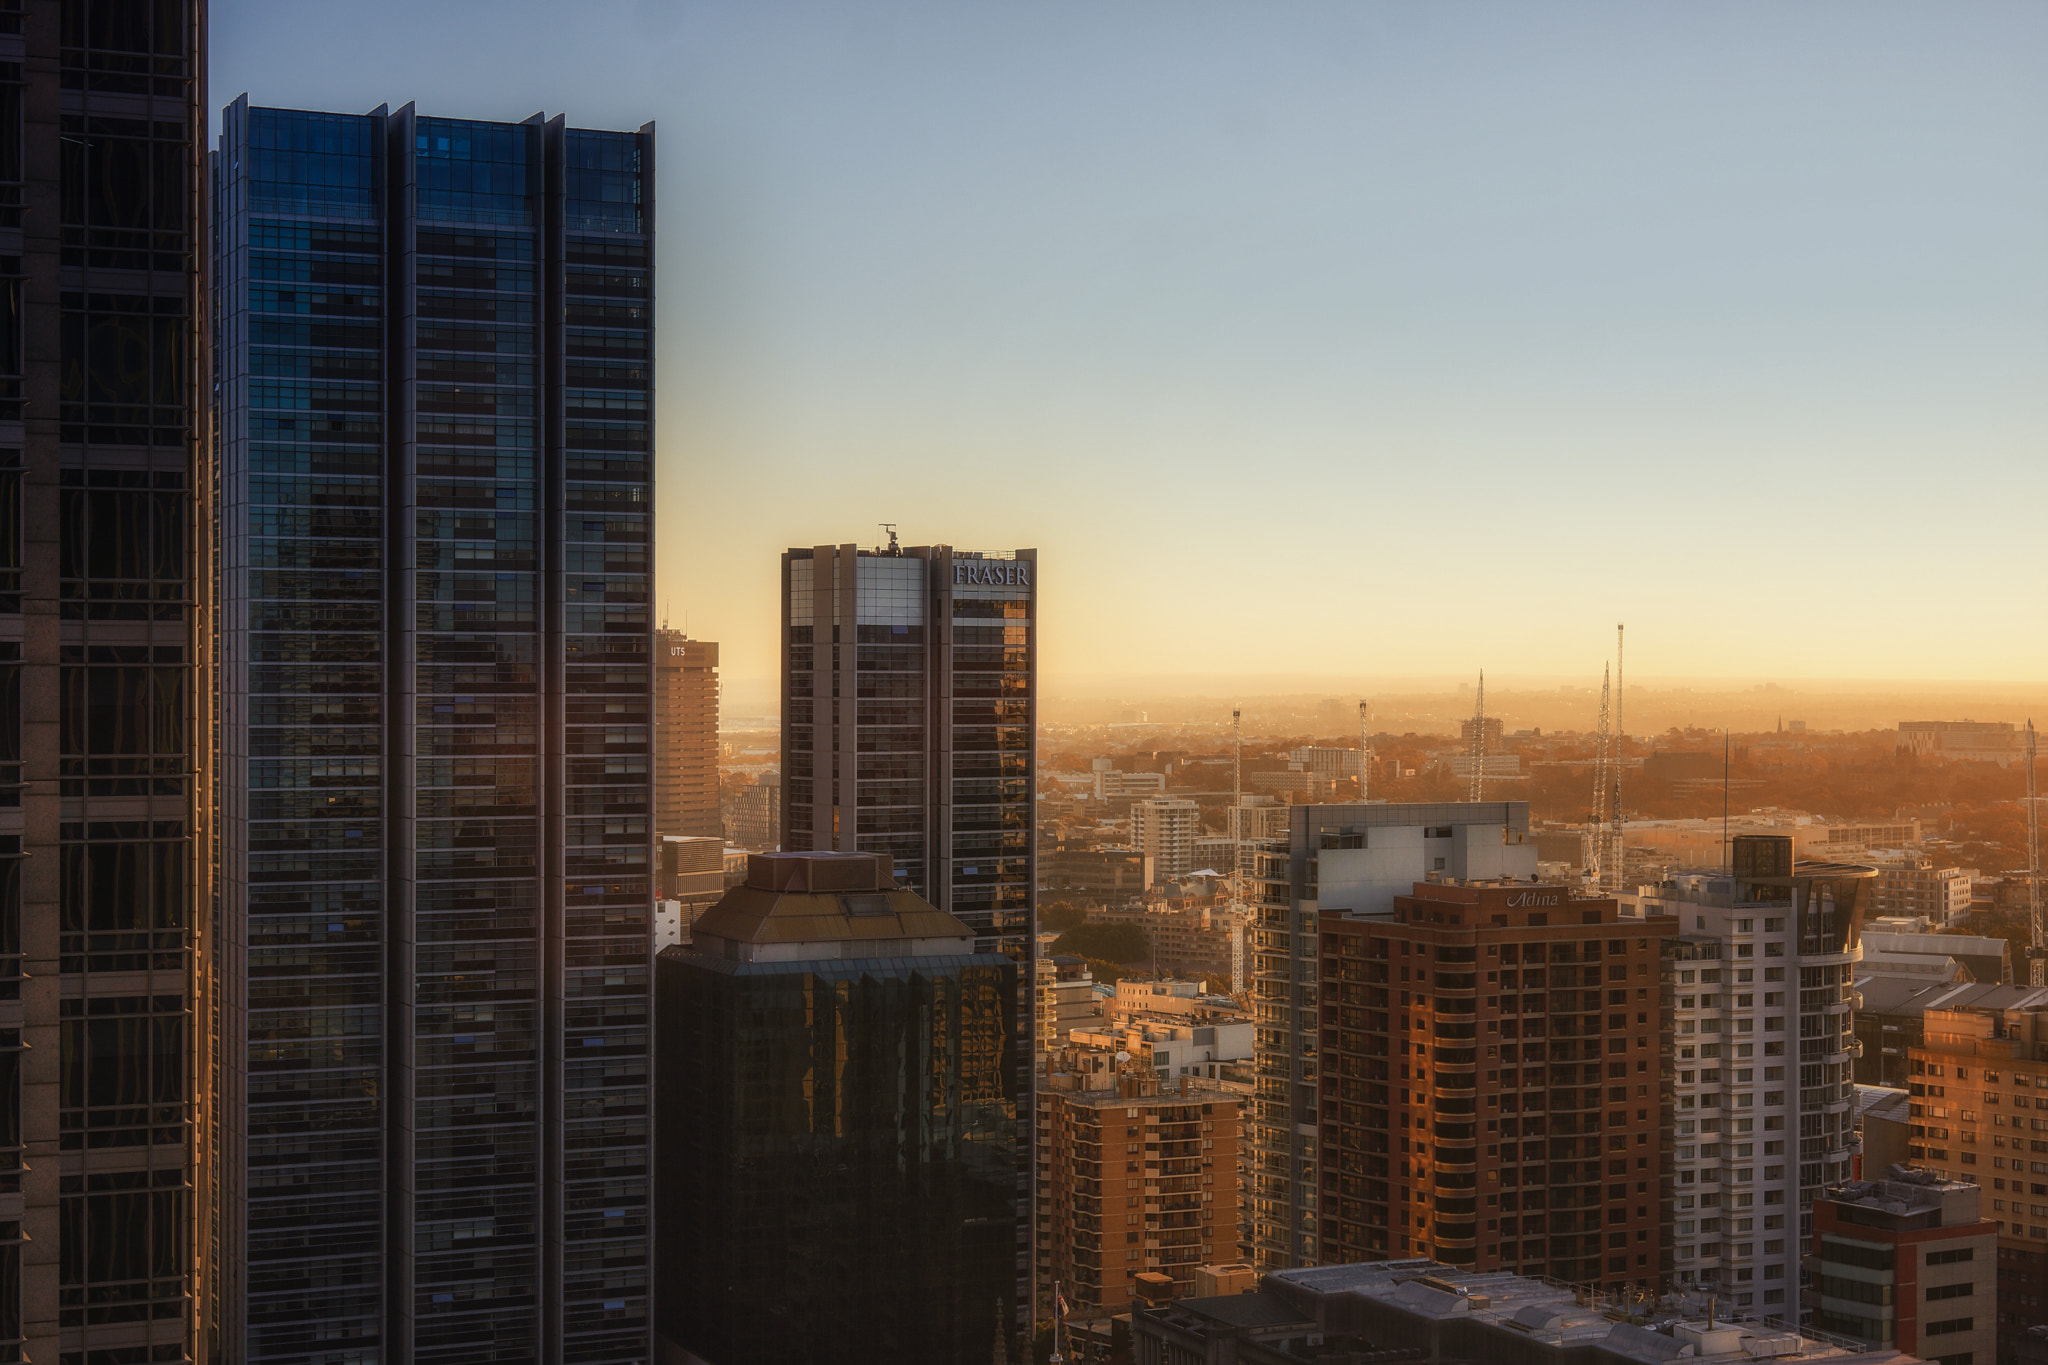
[
  {"x": 1041, "y": 1344},
  {"x": 1061, "y": 916},
  {"x": 1115, "y": 942},
  {"x": 1107, "y": 973}
]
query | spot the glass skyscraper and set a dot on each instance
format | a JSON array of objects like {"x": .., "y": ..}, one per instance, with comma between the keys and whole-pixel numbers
[{"x": 435, "y": 343}]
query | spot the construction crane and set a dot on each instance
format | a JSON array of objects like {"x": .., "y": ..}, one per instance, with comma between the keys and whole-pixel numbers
[
  {"x": 1364, "y": 753},
  {"x": 1617, "y": 862},
  {"x": 2037, "y": 924},
  {"x": 1236, "y": 911},
  {"x": 1479, "y": 743},
  {"x": 1596, "y": 818}
]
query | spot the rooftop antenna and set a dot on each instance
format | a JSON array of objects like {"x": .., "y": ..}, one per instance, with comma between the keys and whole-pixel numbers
[
  {"x": 1479, "y": 743},
  {"x": 1364, "y": 753},
  {"x": 890, "y": 527},
  {"x": 2037, "y": 952},
  {"x": 1596, "y": 819}
]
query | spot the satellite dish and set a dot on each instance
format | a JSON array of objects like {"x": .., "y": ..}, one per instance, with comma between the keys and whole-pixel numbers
[{"x": 1123, "y": 1056}]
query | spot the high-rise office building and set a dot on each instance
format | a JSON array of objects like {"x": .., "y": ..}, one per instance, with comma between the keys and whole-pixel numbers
[
  {"x": 435, "y": 350},
  {"x": 1355, "y": 857},
  {"x": 909, "y": 719},
  {"x": 1496, "y": 1084},
  {"x": 686, "y": 736},
  {"x": 838, "y": 1126},
  {"x": 106, "y": 971},
  {"x": 909, "y": 729},
  {"x": 1764, "y": 964}
]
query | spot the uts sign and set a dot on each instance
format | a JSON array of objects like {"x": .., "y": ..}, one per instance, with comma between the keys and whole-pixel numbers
[{"x": 996, "y": 573}]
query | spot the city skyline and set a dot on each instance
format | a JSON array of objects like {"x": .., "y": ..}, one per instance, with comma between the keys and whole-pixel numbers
[{"x": 1219, "y": 301}]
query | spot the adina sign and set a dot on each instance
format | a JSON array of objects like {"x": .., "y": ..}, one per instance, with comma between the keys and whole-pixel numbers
[
  {"x": 1522, "y": 900},
  {"x": 1001, "y": 573}
]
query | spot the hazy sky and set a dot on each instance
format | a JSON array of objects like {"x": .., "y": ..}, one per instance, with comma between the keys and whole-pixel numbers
[{"x": 1355, "y": 338}]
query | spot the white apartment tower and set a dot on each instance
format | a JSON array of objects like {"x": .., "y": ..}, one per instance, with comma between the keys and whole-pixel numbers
[
  {"x": 1761, "y": 984},
  {"x": 1164, "y": 829}
]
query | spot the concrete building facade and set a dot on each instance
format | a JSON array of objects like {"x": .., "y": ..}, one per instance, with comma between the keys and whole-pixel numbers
[
  {"x": 1908, "y": 1261},
  {"x": 1762, "y": 996},
  {"x": 1979, "y": 1087},
  {"x": 1354, "y": 857},
  {"x": 1164, "y": 829},
  {"x": 685, "y": 764},
  {"x": 111, "y": 973}
]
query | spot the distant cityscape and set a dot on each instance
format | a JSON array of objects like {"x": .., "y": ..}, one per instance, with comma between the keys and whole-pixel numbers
[{"x": 442, "y": 972}]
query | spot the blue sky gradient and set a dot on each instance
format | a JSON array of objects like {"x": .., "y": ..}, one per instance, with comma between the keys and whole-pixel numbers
[{"x": 1360, "y": 340}]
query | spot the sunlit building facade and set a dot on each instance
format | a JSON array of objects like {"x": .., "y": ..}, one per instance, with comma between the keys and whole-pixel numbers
[{"x": 435, "y": 348}]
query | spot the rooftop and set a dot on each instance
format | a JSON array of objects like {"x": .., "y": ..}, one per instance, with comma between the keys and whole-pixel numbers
[{"x": 824, "y": 898}]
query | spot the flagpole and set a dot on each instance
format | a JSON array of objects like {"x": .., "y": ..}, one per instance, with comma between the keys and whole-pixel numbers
[{"x": 1059, "y": 1318}]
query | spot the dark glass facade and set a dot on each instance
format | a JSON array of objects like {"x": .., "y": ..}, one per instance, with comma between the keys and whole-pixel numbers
[
  {"x": 105, "y": 973},
  {"x": 435, "y": 346},
  {"x": 838, "y": 1158}
]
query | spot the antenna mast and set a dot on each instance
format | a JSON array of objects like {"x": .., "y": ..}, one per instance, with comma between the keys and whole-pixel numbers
[
  {"x": 1479, "y": 743},
  {"x": 1618, "y": 864},
  {"x": 1596, "y": 819},
  {"x": 1364, "y": 753},
  {"x": 2037, "y": 954}
]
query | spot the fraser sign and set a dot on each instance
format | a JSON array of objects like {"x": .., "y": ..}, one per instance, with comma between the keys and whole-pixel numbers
[{"x": 998, "y": 573}]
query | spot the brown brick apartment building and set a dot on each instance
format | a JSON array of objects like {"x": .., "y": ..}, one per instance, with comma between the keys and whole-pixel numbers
[
  {"x": 1496, "y": 1084},
  {"x": 1132, "y": 1180}
]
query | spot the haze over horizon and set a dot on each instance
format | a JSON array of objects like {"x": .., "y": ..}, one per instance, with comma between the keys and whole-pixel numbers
[{"x": 1333, "y": 340}]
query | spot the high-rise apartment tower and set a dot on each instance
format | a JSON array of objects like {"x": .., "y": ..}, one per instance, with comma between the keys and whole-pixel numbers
[
  {"x": 686, "y": 736},
  {"x": 1764, "y": 963},
  {"x": 1496, "y": 1084},
  {"x": 435, "y": 343},
  {"x": 1355, "y": 857},
  {"x": 106, "y": 962}
]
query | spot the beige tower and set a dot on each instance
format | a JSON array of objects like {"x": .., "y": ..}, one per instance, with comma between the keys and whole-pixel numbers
[{"x": 686, "y": 736}]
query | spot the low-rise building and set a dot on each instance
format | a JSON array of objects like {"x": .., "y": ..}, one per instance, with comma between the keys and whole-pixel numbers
[
  {"x": 1908, "y": 1261},
  {"x": 1426, "y": 1311},
  {"x": 1964, "y": 741},
  {"x": 1910, "y": 884}
]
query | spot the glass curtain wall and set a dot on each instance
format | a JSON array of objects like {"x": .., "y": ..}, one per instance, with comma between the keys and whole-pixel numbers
[{"x": 437, "y": 405}]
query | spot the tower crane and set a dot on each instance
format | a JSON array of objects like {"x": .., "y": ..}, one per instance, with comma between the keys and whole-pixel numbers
[
  {"x": 1596, "y": 818},
  {"x": 1237, "y": 910},
  {"x": 1617, "y": 862},
  {"x": 1364, "y": 753},
  {"x": 1479, "y": 743},
  {"x": 2037, "y": 922}
]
